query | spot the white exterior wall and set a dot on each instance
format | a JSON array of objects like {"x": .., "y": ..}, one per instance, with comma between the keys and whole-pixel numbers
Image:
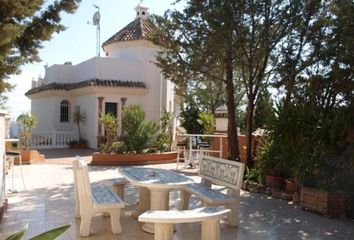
[
  {"x": 59, "y": 73},
  {"x": 221, "y": 124},
  {"x": 47, "y": 112},
  {"x": 44, "y": 110},
  {"x": 126, "y": 61},
  {"x": 97, "y": 67},
  {"x": 89, "y": 105},
  {"x": 143, "y": 52}
]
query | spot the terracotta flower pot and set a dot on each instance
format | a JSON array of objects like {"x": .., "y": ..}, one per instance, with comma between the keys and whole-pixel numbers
[
  {"x": 275, "y": 181},
  {"x": 28, "y": 156},
  {"x": 291, "y": 186}
]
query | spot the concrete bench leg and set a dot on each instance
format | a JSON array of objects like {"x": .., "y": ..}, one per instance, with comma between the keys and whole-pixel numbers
[
  {"x": 211, "y": 230},
  {"x": 85, "y": 225},
  {"x": 115, "y": 222},
  {"x": 77, "y": 210},
  {"x": 233, "y": 215},
  {"x": 185, "y": 196},
  {"x": 118, "y": 188},
  {"x": 164, "y": 231}
]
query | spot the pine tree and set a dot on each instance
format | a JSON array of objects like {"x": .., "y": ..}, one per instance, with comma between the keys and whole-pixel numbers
[
  {"x": 200, "y": 44},
  {"x": 24, "y": 25}
]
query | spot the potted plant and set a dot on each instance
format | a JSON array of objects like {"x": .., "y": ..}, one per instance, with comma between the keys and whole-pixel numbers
[
  {"x": 166, "y": 136},
  {"x": 141, "y": 143},
  {"x": 271, "y": 164},
  {"x": 79, "y": 118},
  {"x": 26, "y": 123}
]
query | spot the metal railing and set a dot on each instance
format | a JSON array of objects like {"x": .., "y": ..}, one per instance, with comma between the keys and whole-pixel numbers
[{"x": 192, "y": 155}]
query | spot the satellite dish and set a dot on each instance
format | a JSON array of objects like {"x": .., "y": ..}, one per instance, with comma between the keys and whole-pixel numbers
[{"x": 96, "y": 18}]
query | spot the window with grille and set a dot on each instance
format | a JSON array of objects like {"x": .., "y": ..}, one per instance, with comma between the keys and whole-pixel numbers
[{"x": 65, "y": 111}]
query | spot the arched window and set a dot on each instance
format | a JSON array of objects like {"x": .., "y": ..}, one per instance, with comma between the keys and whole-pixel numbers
[{"x": 65, "y": 111}]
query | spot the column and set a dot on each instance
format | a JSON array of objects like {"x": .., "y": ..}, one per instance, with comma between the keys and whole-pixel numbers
[
  {"x": 123, "y": 100},
  {"x": 100, "y": 103}
]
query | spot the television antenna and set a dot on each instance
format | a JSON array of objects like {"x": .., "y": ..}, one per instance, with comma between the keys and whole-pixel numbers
[{"x": 96, "y": 18}]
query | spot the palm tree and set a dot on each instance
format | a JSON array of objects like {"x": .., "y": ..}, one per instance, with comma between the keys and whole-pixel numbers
[
  {"x": 79, "y": 117},
  {"x": 26, "y": 122}
]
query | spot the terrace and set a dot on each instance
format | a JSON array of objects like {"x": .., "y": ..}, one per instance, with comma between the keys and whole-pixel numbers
[{"x": 48, "y": 201}]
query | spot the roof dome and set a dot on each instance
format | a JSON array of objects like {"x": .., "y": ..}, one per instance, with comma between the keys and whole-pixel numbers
[{"x": 139, "y": 29}]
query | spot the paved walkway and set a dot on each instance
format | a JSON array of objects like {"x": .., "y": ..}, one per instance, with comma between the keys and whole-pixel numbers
[{"x": 48, "y": 201}]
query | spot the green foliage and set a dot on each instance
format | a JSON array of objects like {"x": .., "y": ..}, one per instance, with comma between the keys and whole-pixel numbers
[
  {"x": 81, "y": 143},
  {"x": 110, "y": 125},
  {"x": 270, "y": 162},
  {"x": 201, "y": 52},
  {"x": 254, "y": 174},
  {"x": 49, "y": 235},
  {"x": 208, "y": 122},
  {"x": 24, "y": 25},
  {"x": 116, "y": 147},
  {"x": 18, "y": 235},
  {"x": 139, "y": 133},
  {"x": 26, "y": 122},
  {"x": 311, "y": 144},
  {"x": 166, "y": 129},
  {"x": 163, "y": 142},
  {"x": 79, "y": 118},
  {"x": 264, "y": 112},
  {"x": 189, "y": 118}
]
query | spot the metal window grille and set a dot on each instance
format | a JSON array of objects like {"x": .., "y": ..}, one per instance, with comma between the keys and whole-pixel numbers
[{"x": 65, "y": 111}]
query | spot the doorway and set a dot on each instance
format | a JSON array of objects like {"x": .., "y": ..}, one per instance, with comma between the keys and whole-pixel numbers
[{"x": 111, "y": 107}]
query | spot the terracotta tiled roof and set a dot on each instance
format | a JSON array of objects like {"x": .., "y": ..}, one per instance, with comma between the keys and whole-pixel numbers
[
  {"x": 140, "y": 28},
  {"x": 87, "y": 83}
]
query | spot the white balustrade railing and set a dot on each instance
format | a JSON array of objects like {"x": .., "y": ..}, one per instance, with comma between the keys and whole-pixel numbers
[{"x": 55, "y": 139}]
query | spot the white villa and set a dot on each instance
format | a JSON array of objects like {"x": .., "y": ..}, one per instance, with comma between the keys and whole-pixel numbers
[{"x": 126, "y": 75}]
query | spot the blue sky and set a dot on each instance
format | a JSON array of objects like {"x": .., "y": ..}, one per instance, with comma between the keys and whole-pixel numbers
[{"x": 78, "y": 42}]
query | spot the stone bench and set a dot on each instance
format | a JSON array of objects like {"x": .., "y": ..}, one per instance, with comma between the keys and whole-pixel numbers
[
  {"x": 221, "y": 172},
  {"x": 164, "y": 220},
  {"x": 91, "y": 200}
]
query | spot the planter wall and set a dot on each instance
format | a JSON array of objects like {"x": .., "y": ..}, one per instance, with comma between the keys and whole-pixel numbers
[
  {"x": 329, "y": 204},
  {"x": 133, "y": 159}
]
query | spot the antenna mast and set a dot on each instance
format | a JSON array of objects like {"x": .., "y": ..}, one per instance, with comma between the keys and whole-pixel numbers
[{"x": 96, "y": 21}]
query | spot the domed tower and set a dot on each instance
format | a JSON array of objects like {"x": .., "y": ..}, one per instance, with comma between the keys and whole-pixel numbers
[{"x": 131, "y": 42}]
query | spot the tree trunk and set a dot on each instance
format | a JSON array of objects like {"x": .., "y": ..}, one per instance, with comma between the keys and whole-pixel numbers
[
  {"x": 78, "y": 126},
  {"x": 230, "y": 101},
  {"x": 250, "y": 110}
]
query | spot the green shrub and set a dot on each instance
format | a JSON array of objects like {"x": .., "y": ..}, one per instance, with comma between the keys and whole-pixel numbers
[
  {"x": 118, "y": 147},
  {"x": 26, "y": 122},
  {"x": 163, "y": 142},
  {"x": 166, "y": 127},
  {"x": 254, "y": 174},
  {"x": 110, "y": 124},
  {"x": 207, "y": 120},
  {"x": 139, "y": 133}
]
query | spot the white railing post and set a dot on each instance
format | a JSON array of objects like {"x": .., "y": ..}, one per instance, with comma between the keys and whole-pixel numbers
[{"x": 54, "y": 138}]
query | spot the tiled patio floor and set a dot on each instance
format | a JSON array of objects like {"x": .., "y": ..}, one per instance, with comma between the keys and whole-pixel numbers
[{"x": 48, "y": 201}]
